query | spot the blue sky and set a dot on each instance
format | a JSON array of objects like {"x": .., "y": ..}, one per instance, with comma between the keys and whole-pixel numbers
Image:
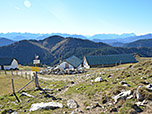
[{"x": 86, "y": 17}]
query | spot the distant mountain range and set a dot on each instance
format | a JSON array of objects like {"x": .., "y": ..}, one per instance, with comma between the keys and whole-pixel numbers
[
  {"x": 5, "y": 41},
  {"x": 111, "y": 39},
  {"x": 139, "y": 43},
  {"x": 111, "y": 36},
  {"x": 22, "y": 36},
  {"x": 54, "y": 48},
  {"x": 36, "y": 36}
]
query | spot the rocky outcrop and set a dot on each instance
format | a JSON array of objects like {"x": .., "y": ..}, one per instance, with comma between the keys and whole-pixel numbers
[
  {"x": 47, "y": 106},
  {"x": 138, "y": 94},
  {"x": 121, "y": 95}
]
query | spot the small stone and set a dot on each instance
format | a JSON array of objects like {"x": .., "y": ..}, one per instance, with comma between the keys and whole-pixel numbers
[
  {"x": 127, "y": 85},
  {"x": 14, "y": 112},
  {"x": 143, "y": 103},
  {"x": 25, "y": 94},
  {"x": 87, "y": 75},
  {"x": 47, "y": 89},
  {"x": 73, "y": 112},
  {"x": 130, "y": 97},
  {"x": 96, "y": 105},
  {"x": 149, "y": 87},
  {"x": 98, "y": 79},
  {"x": 64, "y": 112},
  {"x": 88, "y": 107},
  {"x": 77, "y": 88},
  {"x": 110, "y": 104},
  {"x": 72, "y": 104},
  {"x": 58, "y": 89}
]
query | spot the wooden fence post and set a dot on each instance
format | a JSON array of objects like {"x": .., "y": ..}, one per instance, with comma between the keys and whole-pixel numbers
[
  {"x": 25, "y": 75},
  {"x": 14, "y": 90},
  {"x": 5, "y": 72},
  {"x": 36, "y": 81}
]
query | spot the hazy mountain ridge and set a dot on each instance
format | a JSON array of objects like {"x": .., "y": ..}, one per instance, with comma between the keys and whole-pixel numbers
[
  {"x": 5, "y": 41},
  {"x": 112, "y": 39},
  {"x": 140, "y": 43},
  {"x": 111, "y": 36}
]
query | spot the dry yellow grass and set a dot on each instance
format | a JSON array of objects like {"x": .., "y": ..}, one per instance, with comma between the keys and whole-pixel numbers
[{"x": 6, "y": 85}]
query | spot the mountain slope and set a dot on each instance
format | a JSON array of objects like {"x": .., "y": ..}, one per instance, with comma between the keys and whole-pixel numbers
[
  {"x": 25, "y": 51},
  {"x": 49, "y": 49},
  {"x": 140, "y": 43},
  {"x": 5, "y": 41},
  {"x": 54, "y": 48},
  {"x": 135, "y": 38}
]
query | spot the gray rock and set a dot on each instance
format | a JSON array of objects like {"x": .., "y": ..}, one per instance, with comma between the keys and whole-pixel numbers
[
  {"x": 123, "y": 82},
  {"x": 72, "y": 104},
  {"x": 143, "y": 103},
  {"x": 64, "y": 112},
  {"x": 88, "y": 108},
  {"x": 149, "y": 87},
  {"x": 73, "y": 112},
  {"x": 127, "y": 85},
  {"x": 98, "y": 79},
  {"x": 14, "y": 112},
  {"x": 121, "y": 95},
  {"x": 96, "y": 105},
  {"x": 47, "y": 89},
  {"x": 25, "y": 94},
  {"x": 42, "y": 105},
  {"x": 130, "y": 97},
  {"x": 138, "y": 95}
]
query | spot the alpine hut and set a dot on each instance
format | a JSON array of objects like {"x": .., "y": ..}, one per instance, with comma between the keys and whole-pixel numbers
[
  {"x": 108, "y": 60},
  {"x": 8, "y": 63},
  {"x": 72, "y": 62}
]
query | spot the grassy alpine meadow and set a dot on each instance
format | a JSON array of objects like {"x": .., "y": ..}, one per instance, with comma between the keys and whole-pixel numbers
[
  {"x": 6, "y": 83},
  {"x": 92, "y": 97}
]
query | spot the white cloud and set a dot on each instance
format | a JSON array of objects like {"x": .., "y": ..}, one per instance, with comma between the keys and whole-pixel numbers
[{"x": 27, "y": 4}]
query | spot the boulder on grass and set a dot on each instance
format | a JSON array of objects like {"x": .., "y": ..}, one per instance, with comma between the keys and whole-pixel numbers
[
  {"x": 98, "y": 79},
  {"x": 47, "y": 106},
  {"x": 121, "y": 95}
]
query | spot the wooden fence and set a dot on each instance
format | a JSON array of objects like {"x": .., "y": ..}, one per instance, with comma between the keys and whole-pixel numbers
[{"x": 23, "y": 74}]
